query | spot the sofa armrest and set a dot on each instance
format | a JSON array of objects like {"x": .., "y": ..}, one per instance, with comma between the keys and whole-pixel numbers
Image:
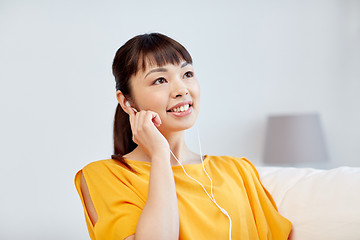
[{"x": 321, "y": 204}]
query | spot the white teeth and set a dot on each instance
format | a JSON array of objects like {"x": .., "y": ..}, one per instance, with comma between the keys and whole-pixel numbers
[{"x": 181, "y": 109}]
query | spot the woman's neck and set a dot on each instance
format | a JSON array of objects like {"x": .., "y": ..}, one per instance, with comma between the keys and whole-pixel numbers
[{"x": 177, "y": 146}]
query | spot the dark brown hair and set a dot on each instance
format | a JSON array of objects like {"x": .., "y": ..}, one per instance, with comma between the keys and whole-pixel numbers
[{"x": 155, "y": 49}]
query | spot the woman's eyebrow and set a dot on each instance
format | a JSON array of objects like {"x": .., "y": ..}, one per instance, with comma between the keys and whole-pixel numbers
[
  {"x": 184, "y": 64},
  {"x": 164, "y": 69},
  {"x": 156, "y": 70}
]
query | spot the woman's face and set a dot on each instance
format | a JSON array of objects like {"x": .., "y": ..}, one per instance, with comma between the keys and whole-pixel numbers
[{"x": 160, "y": 89}]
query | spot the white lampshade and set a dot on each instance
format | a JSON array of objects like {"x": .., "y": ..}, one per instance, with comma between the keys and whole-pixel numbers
[{"x": 292, "y": 139}]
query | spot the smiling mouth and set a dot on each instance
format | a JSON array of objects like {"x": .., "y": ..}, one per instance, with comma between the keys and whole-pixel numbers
[{"x": 180, "y": 109}]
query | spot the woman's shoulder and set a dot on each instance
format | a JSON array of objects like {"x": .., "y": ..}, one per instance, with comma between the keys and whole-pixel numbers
[
  {"x": 230, "y": 162},
  {"x": 103, "y": 168},
  {"x": 99, "y": 164},
  {"x": 105, "y": 173},
  {"x": 225, "y": 159}
]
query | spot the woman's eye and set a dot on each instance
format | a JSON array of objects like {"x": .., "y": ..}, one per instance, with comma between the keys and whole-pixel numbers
[
  {"x": 159, "y": 81},
  {"x": 189, "y": 74}
]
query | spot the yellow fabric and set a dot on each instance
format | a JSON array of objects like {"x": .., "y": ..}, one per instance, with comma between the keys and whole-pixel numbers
[{"x": 119, "y": 196}]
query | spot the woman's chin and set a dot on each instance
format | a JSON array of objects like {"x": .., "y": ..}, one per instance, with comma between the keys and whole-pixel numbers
[
  {"x": 178, "y": 124},
  {"x": 176, "y": 127}
]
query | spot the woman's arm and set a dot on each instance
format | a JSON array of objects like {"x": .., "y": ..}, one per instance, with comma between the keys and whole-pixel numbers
[
  {"x": 87, "y": 200},
  {"x": 160, "y": 216}
]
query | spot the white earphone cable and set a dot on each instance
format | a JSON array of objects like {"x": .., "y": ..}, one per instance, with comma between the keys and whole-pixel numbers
[{"x": 211, "y": 188}]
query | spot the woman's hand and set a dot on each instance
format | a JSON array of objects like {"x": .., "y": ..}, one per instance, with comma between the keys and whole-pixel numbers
[{"x": 145, "y": 133}]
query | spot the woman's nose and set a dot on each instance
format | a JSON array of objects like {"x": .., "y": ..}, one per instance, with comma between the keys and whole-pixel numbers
[
  {"x": 179, "y": 89},
  {"x": 182, "y": 92}
]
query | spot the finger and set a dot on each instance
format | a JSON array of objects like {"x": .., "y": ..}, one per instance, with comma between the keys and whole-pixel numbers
[
  {"x": 132, "y": 118},
  {"x": 139, "y": 119},
  {"x": 155, "y": 118}
]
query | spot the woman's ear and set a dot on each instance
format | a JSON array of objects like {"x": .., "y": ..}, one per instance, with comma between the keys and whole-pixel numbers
[{"x": 122, "y": 100}]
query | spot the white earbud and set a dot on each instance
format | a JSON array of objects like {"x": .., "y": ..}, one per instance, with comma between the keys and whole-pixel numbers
[{"x": 128, "y": 104}]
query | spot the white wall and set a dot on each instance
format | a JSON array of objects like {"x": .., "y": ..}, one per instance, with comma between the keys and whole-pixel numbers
[{"x": 253, "y": 58}]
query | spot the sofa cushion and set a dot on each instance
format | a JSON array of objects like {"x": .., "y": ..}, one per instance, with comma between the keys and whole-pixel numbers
[{"x": 321, "y": 204}]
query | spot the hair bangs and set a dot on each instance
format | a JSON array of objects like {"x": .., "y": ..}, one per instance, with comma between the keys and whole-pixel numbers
[{"x": 159, "y": 50}]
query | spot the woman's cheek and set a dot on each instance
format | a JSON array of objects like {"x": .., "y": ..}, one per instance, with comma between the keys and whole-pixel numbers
[
  {"x": 157, "y": 104},
  {"x": 196, "y": 90}
]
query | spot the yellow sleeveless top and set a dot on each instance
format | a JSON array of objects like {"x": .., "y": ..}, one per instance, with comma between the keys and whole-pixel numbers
[{"x": 119, "y": 196}]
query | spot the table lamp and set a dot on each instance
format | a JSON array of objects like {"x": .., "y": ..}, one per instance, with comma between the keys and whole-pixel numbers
[{"x": 294, "y": 139}]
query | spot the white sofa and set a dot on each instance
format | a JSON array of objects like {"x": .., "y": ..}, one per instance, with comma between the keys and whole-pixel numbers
[{"x": 321, "y": 204}]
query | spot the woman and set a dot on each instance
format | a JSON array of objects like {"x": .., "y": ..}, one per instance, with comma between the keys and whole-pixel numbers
[{"x": 143, "y": 192}]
